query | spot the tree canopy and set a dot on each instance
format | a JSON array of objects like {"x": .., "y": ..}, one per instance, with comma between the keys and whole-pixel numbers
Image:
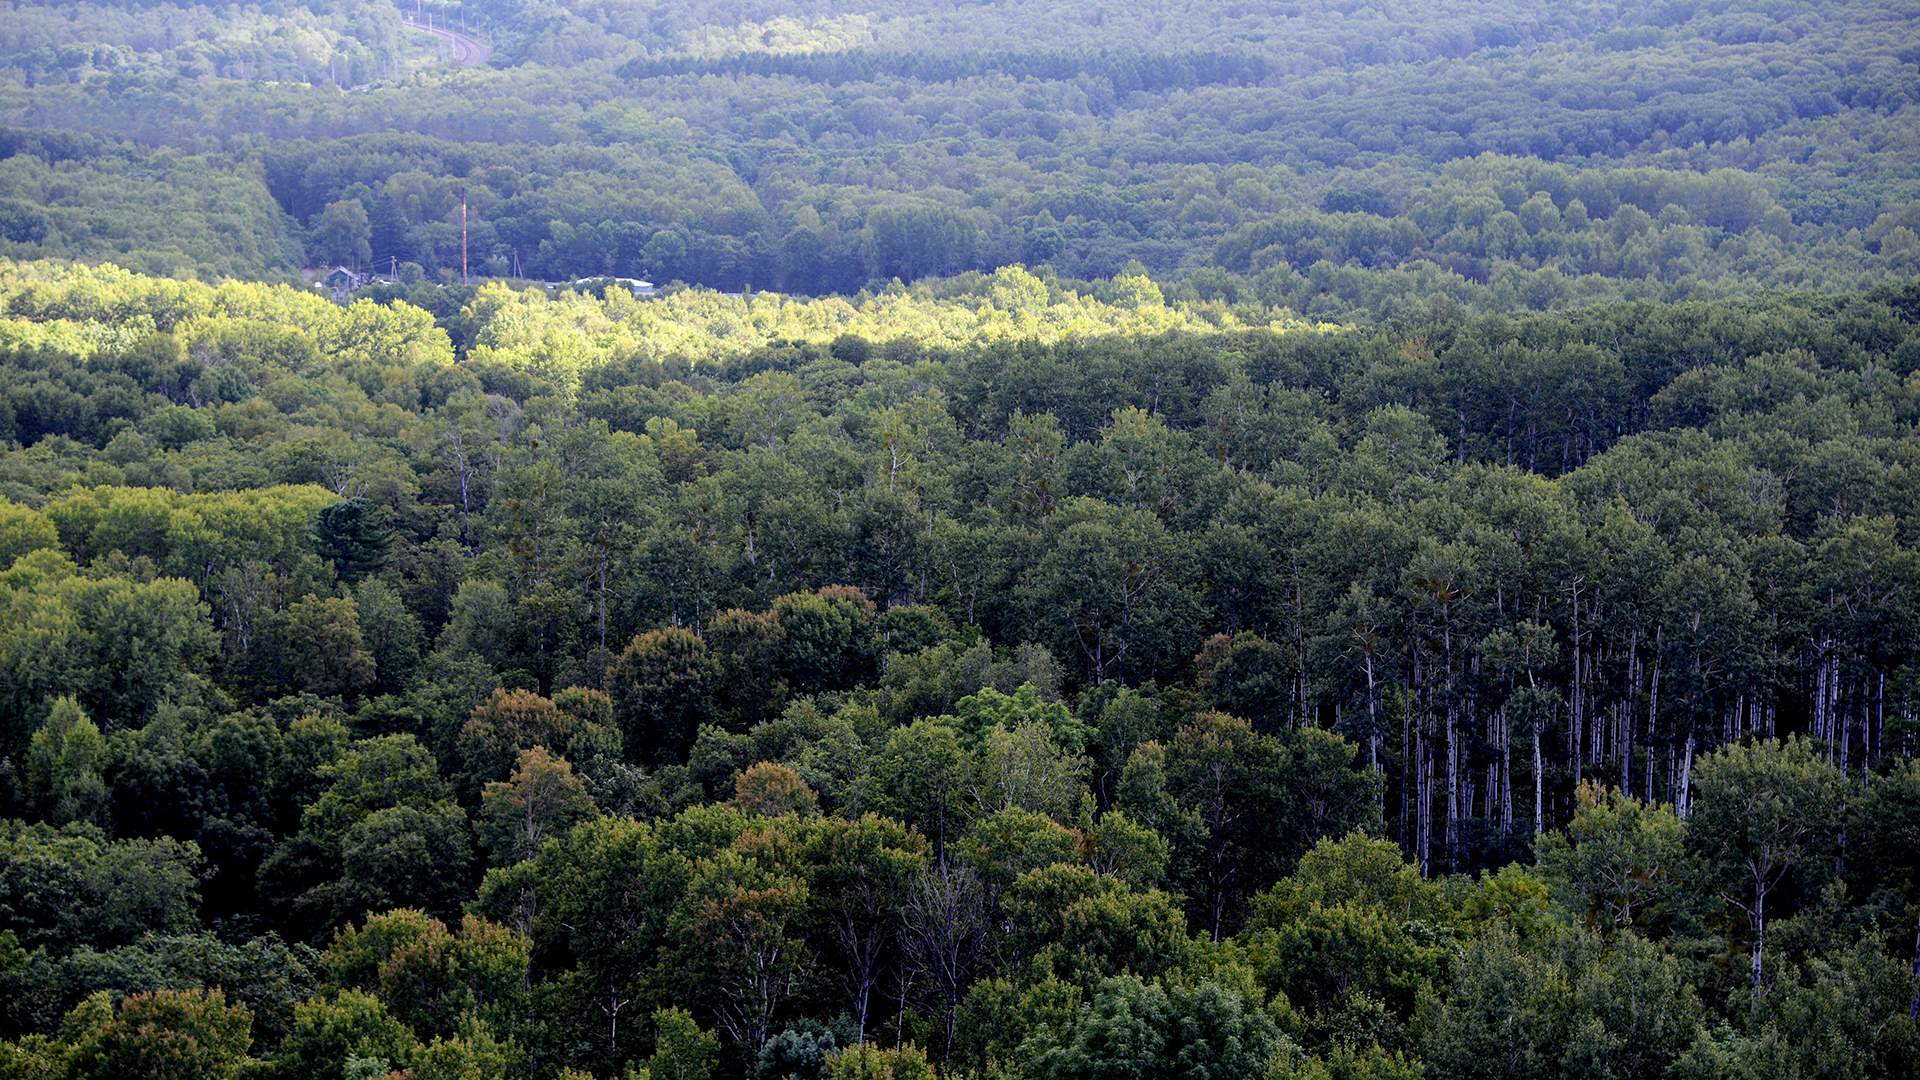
[{"x": 1308, "y": 539}]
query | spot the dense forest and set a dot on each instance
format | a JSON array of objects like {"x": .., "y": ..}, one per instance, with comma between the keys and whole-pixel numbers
[
  {"x": 1057, "y": 686},
  {"x": 1311, "y": 540},
  {"x": 1338, "y": 157}
]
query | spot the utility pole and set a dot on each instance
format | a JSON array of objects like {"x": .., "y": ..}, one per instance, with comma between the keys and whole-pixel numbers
[{"x": 463, "y": 238}]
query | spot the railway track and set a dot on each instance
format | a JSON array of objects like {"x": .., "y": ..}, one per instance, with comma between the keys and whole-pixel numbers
[{"x": 468, "y": 51}]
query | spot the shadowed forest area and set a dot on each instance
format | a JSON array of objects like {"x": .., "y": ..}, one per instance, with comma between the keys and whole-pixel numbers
[{"x": 1296, "y": 540}]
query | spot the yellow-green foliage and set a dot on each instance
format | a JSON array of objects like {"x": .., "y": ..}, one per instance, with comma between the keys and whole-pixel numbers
[
  {"x": 23, "y": 530},
  {"x": 87, "y": 309},
  {"x": 558, "y": 337},
  {"x": 390, "y": 349},
  {"x": 189, "y": 535},
  {"x": 84, "y": 339},
  {"x": 314, "y": 359},
  {"x": 869, "y": 1062}
]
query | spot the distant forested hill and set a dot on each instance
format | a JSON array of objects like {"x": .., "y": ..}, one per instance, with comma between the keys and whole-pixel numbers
[{"x": 1336, "y": 158}]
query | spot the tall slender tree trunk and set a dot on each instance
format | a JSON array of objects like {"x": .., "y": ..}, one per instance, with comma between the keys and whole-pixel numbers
[
  {"x": 1846, "y": 739},
  {"x": 1576, "y": 752},
  {"x": 1876, "y": 729},
  {"x": 1683, "y": 789},
  {"x": 1450, "y": 712},
  {"x": 1913, "y": 1006},
  {"x": 1423, "y": 773},
  {"x": 1373, "y": 723},
  {"x": 1300, "y": 644},
  {"x": 1506, "y": 776},
  {"x": 1626, "y": 704},
  {"x": 1576, "y": 731},
  {"x": 1539, "y": 786},
  {"x": 1409, "y": 762},
  {"x": 1453, "y": 792},
  {"x": 1653, "y": 715},
  {"x": 1649, "y": 770},
  {"x": 1426, "y": 811},
  {"x": 1820, "y": 699},
  {"x": 1626, "y": 757}
]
